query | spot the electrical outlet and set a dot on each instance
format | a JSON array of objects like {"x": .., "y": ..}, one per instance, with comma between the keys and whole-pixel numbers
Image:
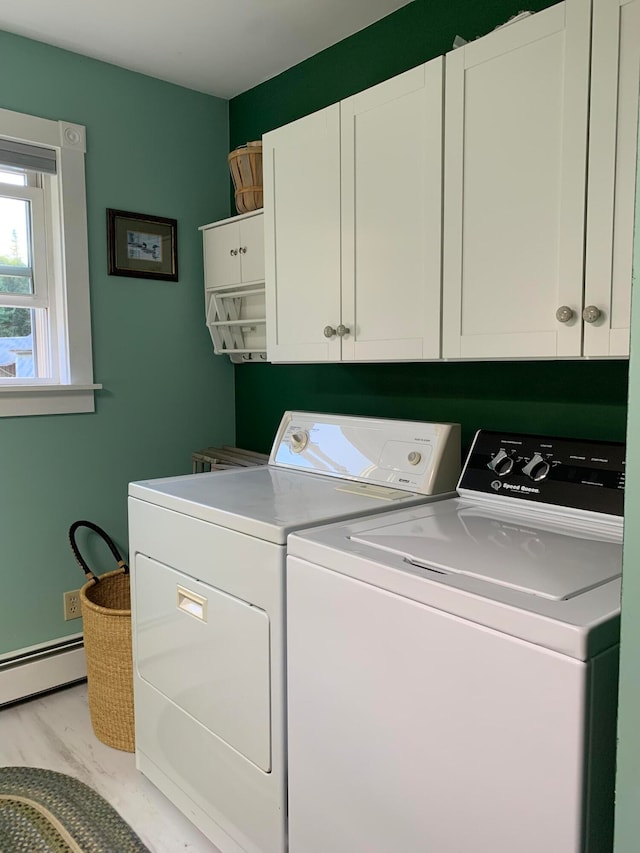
[{"x": 72, "y": 604}]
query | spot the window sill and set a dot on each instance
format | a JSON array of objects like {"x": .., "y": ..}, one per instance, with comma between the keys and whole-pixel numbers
[{"x": 41, "y": 399}]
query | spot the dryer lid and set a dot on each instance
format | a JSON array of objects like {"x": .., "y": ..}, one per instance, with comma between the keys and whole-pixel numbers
[{"x": 551, "y": 561}]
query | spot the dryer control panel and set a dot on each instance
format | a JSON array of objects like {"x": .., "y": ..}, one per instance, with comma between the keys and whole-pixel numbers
[
  {"x": 406, "y": 456},
  {"x": 560, "y": 472}
]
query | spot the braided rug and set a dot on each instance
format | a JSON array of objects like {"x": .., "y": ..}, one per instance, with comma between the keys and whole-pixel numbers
[{"x": 42, "y": 811}]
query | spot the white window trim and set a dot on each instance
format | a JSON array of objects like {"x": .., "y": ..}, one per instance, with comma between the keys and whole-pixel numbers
[{"x": 74, "y": 391}]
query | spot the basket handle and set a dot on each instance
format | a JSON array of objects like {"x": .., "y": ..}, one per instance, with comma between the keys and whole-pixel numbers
[{"x": 106, "y": 538}]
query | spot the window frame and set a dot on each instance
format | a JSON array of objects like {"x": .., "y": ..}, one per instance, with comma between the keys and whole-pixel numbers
[{"x": 71, "y": 388}]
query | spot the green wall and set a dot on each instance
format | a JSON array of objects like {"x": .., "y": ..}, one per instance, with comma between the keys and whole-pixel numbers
[
  {"x": 627, "y": 833},
  {"x": 551, "y": 397},
  {"x": 151, "y": 148}
]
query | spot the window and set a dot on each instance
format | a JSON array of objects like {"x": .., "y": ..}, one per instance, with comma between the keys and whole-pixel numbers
[{"x": 45, "y": 340}]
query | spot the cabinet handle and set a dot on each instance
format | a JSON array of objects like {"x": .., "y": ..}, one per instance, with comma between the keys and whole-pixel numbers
[
  {"x": 591, "y": 314},
  {"x": 564, "y": 314},
  {"x": 329, "y": 331},
  {"x": 341, "y": 331},
  {"x": 233, "y": 252},
  {"x": 243, "y": 250}
]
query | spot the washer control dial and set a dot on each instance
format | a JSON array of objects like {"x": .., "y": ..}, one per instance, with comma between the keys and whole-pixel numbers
[
  {"x": 414, "y": 457},
  {"x": 501, "y": 464},
  {"x": 299, "y": 441},
  {"x": 537, "y": 468}
]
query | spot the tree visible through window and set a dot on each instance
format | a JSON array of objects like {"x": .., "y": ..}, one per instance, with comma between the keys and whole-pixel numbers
[{"x": 14, "y": 322}]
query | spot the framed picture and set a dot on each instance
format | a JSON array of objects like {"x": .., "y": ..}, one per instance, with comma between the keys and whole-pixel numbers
[{"x": 141, "y": 246}]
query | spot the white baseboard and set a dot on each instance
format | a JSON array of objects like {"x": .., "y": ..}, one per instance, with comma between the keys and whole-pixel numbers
[{"x": 32, "y": 672}]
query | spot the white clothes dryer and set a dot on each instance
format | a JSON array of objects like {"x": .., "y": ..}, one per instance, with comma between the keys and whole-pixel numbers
[
  {"x": 207, "y": 554},
  {"x": 452, "y": 668}
]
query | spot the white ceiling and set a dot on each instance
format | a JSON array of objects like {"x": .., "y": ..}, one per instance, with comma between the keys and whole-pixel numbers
[{"x": 221, "y": 47}]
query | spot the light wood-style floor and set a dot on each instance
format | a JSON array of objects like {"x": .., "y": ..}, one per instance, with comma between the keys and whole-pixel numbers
[{"x": 54, "y": 732}]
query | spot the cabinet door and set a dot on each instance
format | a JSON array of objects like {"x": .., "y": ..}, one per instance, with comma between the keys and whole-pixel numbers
[
  {"x": 613, "y": 153},
  {"x": 391, "y": 147},
  {"x": 301, "y": 165},
  {"x": 251, "y": 248},
  {"x": 221, "y": 255},
  {"x": 516, "y": 106}
]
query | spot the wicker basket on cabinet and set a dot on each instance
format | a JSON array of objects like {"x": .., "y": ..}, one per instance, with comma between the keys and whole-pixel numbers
[{"x": 245, "y": 164}]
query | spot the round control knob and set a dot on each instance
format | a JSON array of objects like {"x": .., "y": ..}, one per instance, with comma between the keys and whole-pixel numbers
[
  {"x": 299, "y": 441},
  {"x": 501, "y": 463},
  {"x": 536, "y": 468},
  {"x": 564, "y": 314},
  {"x": 414, "y": 457},
  {"x": 329, "y": 331},
  {"x": 591, "y": 314}
]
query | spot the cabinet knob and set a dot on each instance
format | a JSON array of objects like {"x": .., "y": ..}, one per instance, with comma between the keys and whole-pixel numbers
[
  {"x": 591, "y": 314},
  {"x": 243, "y": 250},
  {"x": 341, "y": 331},
  {"x": 233, "y": 252},
  {"x": 329, "y": 331},
  {"x": 564, "y": 314}
]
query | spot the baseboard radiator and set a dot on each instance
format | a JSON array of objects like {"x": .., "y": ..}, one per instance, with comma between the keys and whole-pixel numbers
[{"x": 41, "y": 668}]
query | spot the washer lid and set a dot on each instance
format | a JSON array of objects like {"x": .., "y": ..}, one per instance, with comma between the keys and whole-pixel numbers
[{"x": 544, "y": 559}]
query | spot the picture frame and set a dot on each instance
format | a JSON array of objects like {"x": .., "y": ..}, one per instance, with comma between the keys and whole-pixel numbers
[{"x": 142, "y": 246}]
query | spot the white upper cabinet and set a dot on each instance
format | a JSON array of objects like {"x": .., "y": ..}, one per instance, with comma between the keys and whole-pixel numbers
[
  {"x": 301, "y": 169},
  {"x": 613, "y": 152},
  {"x": 531, "y": 197},
  {"x": 516, "y": 112},
  {"x": 391, "y": 146},
  {"x": 234, "y": 251},
  {"x": 353, "y": 226}
]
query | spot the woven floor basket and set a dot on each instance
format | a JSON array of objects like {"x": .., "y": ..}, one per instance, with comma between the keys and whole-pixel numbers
[
  {"x": 245, "y": 164},
  {"x": 105, "y": 602},
  {"x": 106, "y": 613}
]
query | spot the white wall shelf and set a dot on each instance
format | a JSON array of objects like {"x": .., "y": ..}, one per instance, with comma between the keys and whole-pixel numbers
[{"x": 234, "y": 287}]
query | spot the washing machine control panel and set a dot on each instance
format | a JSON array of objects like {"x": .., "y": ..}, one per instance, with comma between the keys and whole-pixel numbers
[{"x": 569, "y": 473}]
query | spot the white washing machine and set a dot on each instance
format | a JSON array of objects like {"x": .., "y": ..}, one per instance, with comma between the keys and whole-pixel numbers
[
  {"x": 452, "y": 668},
  {"x": 207, "y": 554}
]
